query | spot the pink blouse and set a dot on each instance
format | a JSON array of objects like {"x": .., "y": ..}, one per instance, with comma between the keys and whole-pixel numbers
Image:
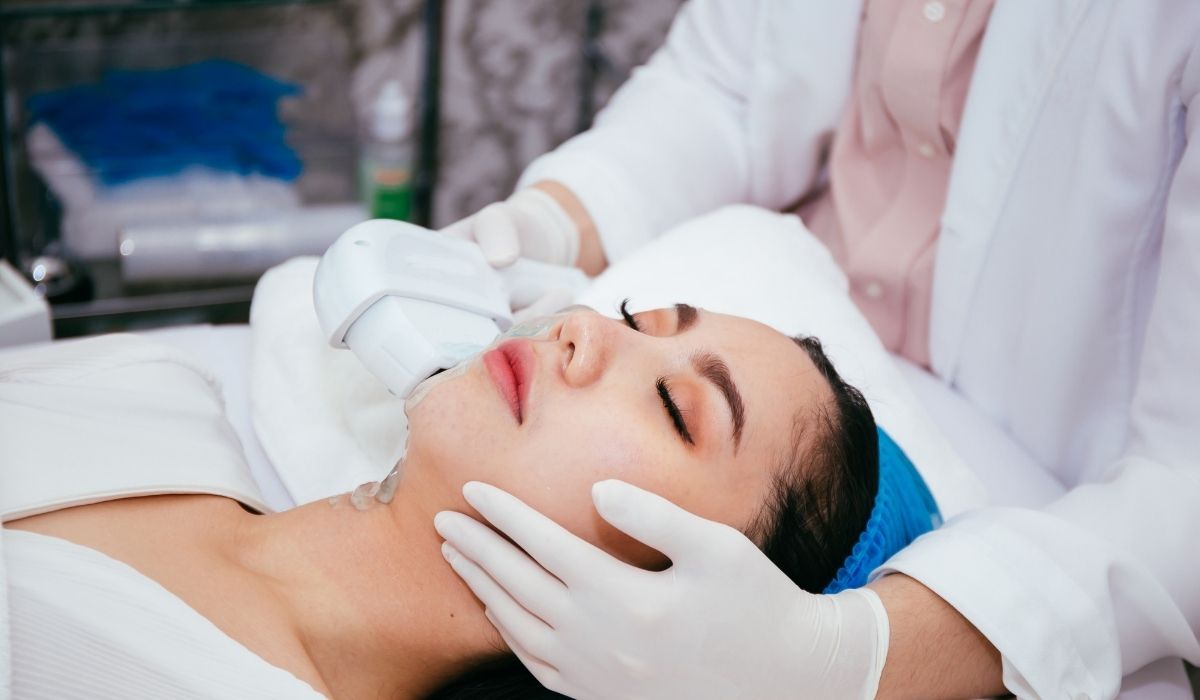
[{"x": 890, "y": 163}]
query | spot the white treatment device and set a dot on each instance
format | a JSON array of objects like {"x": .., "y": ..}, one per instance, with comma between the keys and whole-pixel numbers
[{"x": 409, "y": 302}]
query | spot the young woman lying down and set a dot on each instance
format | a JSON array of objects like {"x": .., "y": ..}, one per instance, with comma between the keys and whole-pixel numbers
[{"x": 721, "y": 415}]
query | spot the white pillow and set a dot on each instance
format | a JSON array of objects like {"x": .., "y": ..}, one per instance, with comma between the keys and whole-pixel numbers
[{"x": 766, "y": 266}]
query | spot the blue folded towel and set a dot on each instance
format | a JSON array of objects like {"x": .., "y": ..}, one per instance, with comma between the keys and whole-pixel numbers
[{"x": 141, "y": 124}]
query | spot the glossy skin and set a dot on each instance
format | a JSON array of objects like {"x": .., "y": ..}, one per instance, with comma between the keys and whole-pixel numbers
[{"x": 594, "y": 412}]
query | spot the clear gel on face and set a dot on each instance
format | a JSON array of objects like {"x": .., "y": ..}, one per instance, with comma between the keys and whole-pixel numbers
[
  {"x": 365, "y": 495},
  {"x": 387, "y": 487},
  {"x": 535, "y": 327},
  {"x": 422, "y": 390},
  {"x": 532, "y": 328}
]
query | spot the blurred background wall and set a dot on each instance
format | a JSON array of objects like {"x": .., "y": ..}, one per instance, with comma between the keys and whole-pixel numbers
[
  {"x": 510, "y": 82},
  {"x": 517, "y": 77},
  {"x": 510, "y": 69}
]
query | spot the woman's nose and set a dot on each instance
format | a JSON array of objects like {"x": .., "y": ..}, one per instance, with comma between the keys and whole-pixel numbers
[{"x": 586, "y": 340}]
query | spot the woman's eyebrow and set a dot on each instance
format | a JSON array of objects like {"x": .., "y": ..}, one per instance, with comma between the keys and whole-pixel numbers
[
  {"x": 685, "y": 316},
  {"x": 715, "y": 370}
]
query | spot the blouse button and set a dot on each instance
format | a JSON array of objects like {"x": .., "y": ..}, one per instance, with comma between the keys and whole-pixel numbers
[
  {"x": 873, "y": 290},
  {"x": 934, "y": 11}
]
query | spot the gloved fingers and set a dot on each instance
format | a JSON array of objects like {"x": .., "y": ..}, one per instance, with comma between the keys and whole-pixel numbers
[
  {"x": 547, "y": 303},
  {"x": 496, "y": 233},
  {"x": 524, "y": 631},
  {"x": 508, "y": 613},
  {"x": 655, "y": 521},
  {"x": 572, "y": 560},
  {"x": 545, "y": 673},
  {"x": 461, "y": 229},
  {"x": 503, "y": 565}
]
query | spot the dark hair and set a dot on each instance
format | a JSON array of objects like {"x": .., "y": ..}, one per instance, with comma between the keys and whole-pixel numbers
[{"x": 823, "y": 492}]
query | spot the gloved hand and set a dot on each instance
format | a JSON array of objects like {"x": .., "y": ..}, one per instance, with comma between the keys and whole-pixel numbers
[
  {"x": 721, "y": 622},
  {"x": 529, "y": 224}
]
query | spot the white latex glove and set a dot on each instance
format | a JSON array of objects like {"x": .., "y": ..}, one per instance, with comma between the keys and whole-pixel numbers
[
  {"x": 529, "y": 224},
  {"x": 722, "y": 622}
]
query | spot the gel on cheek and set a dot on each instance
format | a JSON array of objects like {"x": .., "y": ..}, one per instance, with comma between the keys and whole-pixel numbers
[
  {"x": 422, "y": 390},
  {"x": 534, "y": 327},
  {"x": 366, "y": 495}
]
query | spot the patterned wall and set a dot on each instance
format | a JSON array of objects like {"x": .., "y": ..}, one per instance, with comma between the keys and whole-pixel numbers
[
  {"x": 509, "y": 75},
  {"x": 510, "y": 79}
]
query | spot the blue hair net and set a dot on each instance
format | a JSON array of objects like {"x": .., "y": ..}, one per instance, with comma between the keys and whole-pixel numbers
[{"x": 904, "y": 510}]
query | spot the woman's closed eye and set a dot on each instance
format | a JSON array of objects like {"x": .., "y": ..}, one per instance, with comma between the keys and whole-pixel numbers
[
  {"x": 673, "y": 410},
  {"x": 629, "y": 319},
  {"x": 662, "y": 386}
]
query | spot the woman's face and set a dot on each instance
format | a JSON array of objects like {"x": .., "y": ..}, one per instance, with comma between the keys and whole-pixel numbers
[{"x": 695, "y": 406}]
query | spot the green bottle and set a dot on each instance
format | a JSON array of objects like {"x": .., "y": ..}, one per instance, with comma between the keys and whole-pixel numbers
[{"x": 385, "y": 166}]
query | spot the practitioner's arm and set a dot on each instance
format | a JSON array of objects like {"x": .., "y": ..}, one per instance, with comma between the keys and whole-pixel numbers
[
  {"x": 677, "y": 139},
  {"x": 933, "y": 652},
  {"x": 591, "y": 255},
  {"x": 694, "y": 129},
  {"x": 671, "y": 144}
]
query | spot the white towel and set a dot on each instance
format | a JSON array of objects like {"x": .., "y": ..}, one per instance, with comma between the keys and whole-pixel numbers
[
  {"x": 325, "y": 423},
  {"x": 86, "y": 420},
  {"x": 94, "y": 216}
]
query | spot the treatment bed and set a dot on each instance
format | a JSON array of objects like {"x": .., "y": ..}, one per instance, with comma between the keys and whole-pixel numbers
[{"x": 965, "y": 459}]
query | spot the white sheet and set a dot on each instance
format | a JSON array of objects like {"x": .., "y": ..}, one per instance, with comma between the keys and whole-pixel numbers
[
  {"x": 226, "y": 352},
  {"x": 1011, "y": 476},
  {"x": 148, "y": 417}
]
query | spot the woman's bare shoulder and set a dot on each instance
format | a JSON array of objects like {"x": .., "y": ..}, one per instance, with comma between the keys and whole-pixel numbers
[{"x": 125, "y": 526}]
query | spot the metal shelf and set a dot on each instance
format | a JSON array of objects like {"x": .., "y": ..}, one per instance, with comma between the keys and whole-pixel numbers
[
  {"x": 104, "y": 302},
  {"x": 218, "y": 305},
  {"x": 162, "y": 301},
  {"x": 116, "y": 306}
]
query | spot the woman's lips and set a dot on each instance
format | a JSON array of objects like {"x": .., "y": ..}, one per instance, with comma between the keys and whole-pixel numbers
[{"x": 511, "y": 365}]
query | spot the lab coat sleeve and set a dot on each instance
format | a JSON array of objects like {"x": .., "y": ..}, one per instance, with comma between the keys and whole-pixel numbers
[
  {"x": 1106, "y": 579},
  {"x": 672, "y": 142},
  {"x": 688, "y": 132}
]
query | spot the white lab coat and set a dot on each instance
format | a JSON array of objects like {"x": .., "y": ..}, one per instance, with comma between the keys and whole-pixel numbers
[{"x": 1066, "y": 297}]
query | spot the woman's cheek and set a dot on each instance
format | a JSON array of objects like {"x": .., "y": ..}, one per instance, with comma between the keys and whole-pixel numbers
[
  {"x": 597, "y": 446},
  {"x": 455, "y": 433},
  {"x": 567, "y": 494}
]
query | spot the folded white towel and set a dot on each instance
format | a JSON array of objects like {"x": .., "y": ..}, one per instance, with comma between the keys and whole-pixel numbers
[
  {"x": 87, "y": 420},
  {"x": 93, "y": 217}
]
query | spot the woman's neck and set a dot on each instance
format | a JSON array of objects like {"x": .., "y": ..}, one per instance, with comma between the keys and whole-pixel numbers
[{"x": 375, "y": 605}]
